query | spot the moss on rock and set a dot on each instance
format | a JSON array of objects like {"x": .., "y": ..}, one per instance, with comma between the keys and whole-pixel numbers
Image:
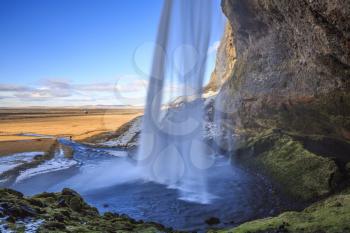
[
  {"x": 65, "y": 212},
  {"x": 301, "y": 173},
  {"x": 331, "y": 215}
]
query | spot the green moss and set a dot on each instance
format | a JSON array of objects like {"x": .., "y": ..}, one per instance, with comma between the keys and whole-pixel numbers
[
  {"x": 331, "y": 216},
  {"x": 301, "y": 173},
  {"x": 67, "y": 212}
]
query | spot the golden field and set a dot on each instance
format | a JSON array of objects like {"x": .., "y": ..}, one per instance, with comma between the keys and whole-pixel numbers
[
  {"x": 37, "y": 144},
  {"x": 77, "y": 123}
]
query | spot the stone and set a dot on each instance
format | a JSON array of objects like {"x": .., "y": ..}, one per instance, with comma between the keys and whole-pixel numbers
[
  {"x": 36, "y": 202},
  {"x": 11, "y": 219},
  {"x": 62, "y": 202},
  {"x": 70, "y": 192},
  {"x": 75, "y": 204},
  {"x": 28, "y": 211},
  {"x": 58, "y": 217},
  {"x": 347, "y": 167},
  {"x": 212, "y": 221},
  {"x": 54, "y": 225},
  {"x": 292, "y": 66}
]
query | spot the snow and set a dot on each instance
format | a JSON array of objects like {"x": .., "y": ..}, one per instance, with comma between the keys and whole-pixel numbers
[
  {"x": 210, "y": 130},
  {"x": 117, "y": 153},
  {"x": 59, "y": 162},
  {"x": 10, "y": 162},
  {"x": 126, "y": 138},
  {"x": 209, "y": 99},
  {"x": 30, "y": 225}
]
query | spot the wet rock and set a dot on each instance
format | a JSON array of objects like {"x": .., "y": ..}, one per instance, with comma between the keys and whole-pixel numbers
[
  {"x": 2, "y": 213},
  {"x": 65, "y": 213},
  {"x": 36, "y": 202},
  {"x": 44, "y": 195},
  {"x": 21, "y": 211},
  {"x": 54, "y": 226},
  {"x": 70, "y": 192},
  {"x": 283, "y": 76},
  {"x": 12, "y": 192},
  {"x": 11, "y": 219},
  {"x": 347, "y": 167},
  {"x": 110, "y": 215},
  {"x": 75, "y": 203},
  {"x": 58, "y": 217},
  {"x": 28, "y": 211},
  {"x": 212, "y": 221},
  {"x": 62, "y": 202}
]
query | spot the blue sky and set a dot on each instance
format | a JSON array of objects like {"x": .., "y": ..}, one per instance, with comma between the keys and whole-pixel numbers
[{"x": 76, "y": 52}]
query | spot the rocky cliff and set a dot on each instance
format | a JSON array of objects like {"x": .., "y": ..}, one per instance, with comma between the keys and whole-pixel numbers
[
  {"x": 293, "y": 66},
  {"x": 225, "y": 60},
  {"x": 288, "y": 96}
]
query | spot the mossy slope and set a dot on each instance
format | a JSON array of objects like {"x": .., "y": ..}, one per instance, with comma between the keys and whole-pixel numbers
[
  {"x": 301, "y": 173},
  {"x": 329, "y": 216},
  {"x": 65, "y": 212}
]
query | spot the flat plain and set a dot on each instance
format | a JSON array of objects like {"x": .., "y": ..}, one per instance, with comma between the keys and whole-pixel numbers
[{"x": 21, "y": 124}]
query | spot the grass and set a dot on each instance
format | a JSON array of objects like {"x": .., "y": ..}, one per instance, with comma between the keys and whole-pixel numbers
[
  {"x": 42, "y": 144},
  {"x": 63, "y": 123}
]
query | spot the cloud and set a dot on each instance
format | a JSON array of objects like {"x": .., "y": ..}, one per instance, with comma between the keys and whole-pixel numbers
[
  {"x": 43, "y": 94},
  {"x": 127, "y": 87},
  {"x": 13, "y": 88},
  {"x": 57, "y": 84},
  {"x": 95, "y": 87},
  {"x": 133, "y": 86},
  {"x": 214, "y": 47},
  {"x": 62, "y": 90}
]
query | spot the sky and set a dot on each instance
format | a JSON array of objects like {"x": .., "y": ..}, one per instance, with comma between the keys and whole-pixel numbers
[{"x": 80, "y": 52}]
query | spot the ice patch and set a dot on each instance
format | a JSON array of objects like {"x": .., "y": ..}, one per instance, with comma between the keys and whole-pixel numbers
[
  {"x": 126, "y": 138},
  {"x": 59, "y": 162},
  {"x": 30, "y": 225},
  {"x": 118, "y": 153},
  {"x": 12, "y": 161}
]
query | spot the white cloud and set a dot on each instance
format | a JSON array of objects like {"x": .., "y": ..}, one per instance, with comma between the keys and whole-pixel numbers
[
  {"x": 214, "y": 47},
  {"x": 12, "y": 87},
  {"x": 55, "y": 90}
]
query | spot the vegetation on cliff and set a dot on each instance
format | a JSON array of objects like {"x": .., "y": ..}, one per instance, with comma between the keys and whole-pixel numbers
[
  {"x": 301, "y": 173},
  {"x": 65, "y": 211},
  {"x": 329, "y": 216}
]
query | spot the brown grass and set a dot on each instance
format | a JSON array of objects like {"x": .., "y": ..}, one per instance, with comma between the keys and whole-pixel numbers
[
  {"x": 42, "y": 144},
  {"x": 62, "y": 123}
]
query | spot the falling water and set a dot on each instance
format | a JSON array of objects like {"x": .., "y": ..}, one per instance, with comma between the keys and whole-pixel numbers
[{"x": 171, "y": 148}]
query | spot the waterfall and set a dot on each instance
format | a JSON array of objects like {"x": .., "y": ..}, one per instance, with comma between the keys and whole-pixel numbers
[{"x": 172, "y": 151}]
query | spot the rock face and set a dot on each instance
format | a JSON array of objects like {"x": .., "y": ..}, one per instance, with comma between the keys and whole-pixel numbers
[
  {"x": 225, "y": 60},
  {"x": 293, "y": 66},
  {"x": 288, "y": 95}
]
